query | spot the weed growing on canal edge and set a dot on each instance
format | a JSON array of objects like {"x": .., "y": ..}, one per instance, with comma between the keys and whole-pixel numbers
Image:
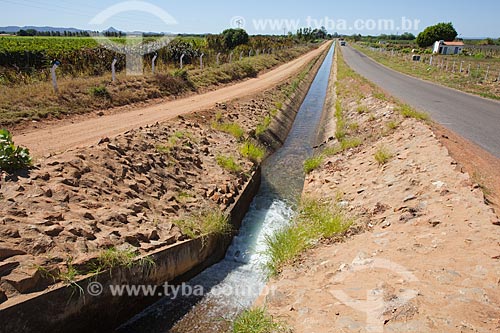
[
  {"x": 313, "y": 163},
  {"x": 258, "y": 321},
  {"x": 316, "y": 221},
  {"x": 253, "y": 152},
  {"x": 263, "y": 126},
  {"x": 206, "y": 223}
]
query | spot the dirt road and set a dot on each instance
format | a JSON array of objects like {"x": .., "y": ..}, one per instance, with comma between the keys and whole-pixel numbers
[{"x": 59, "y": 138}]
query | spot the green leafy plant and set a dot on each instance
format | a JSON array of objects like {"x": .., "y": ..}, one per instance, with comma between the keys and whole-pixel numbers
[{"x": 12, "y": 157}]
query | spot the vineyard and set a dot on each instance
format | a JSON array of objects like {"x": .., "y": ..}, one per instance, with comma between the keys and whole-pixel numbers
[{"x": 28, "y": 59}]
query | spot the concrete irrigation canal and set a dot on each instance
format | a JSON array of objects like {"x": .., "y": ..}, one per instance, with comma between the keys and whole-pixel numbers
[{"x": 234, "y": 283}]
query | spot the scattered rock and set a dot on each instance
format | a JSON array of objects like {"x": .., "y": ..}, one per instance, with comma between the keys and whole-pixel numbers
[
  {"x": 3, "y": 296},
  {"x": 24, "y": 280},
  {"x": 9, "y": 252},
  {"x": 154, "y": 235},
  {"x": 7, "y": 267},
  {"x": 409, "y": 198},
  {"x": 54, "y": 231}
]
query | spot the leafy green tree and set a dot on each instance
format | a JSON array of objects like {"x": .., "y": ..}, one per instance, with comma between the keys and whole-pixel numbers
[
  {"x": 234, "y": 37},
  {"x": 440, "y": 31}
]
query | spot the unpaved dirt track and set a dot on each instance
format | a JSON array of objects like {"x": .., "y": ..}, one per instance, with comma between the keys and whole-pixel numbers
[
  {"x": 476, "y": 119},
  {"x": 59, "y": 138}
]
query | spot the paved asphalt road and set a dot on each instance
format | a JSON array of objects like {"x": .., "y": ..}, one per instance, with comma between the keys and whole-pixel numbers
[{"x": 474, "y": 118}]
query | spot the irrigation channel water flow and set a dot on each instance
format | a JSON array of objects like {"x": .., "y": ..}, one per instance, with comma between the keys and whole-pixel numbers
[{"x": 234, "y": 283}]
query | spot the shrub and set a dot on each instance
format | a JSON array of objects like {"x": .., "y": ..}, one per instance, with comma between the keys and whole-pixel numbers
[
  {"x": 100, "y": 92},
  {"x": 252, "y": 152},
  {"x": 171, "y": 83},
  {"x": 11, "y": 157}
]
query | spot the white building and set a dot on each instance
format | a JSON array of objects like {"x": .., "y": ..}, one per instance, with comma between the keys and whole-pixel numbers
[{"x": 443, "y": 47}]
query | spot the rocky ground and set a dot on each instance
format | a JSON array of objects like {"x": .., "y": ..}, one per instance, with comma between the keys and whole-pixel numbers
[
  {"x": 126, "y": 193},
  {"x": 423, "y": 255}
]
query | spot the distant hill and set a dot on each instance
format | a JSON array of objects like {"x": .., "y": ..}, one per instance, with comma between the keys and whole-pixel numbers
[{"x": 15, "y": 29}]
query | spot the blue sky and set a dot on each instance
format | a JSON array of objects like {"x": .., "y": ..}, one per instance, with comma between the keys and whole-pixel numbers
[{"x": 471, "y": 18}]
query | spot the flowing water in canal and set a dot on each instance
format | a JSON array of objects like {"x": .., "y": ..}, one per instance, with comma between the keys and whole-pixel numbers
[{"x": 234, "y": 283}]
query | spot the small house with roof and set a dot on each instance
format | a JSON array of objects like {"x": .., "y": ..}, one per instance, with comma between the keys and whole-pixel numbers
[{"x": 443, "y": 47}]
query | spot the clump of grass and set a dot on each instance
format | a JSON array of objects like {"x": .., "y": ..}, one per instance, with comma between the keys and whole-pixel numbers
[
  {"x": 173, "y": 140},
  {"x": 340, "y": 131},
  {"x": 100, "y": 92},
  {"x": 114, "y": 257},
  {"x": 392, "y": 125},
  {"x": 69, "y": 275},
  {"x": 409, "y": 112},
  {"x": 163, "y": 149},
  {"x": 230, "y": 128},
  {"x": 253, "y": 152},
  {"x": 380, "y": 96},
  {"x": 382, "y": 155},
  {"x": 331, "y": 151},
  {"x": 362, "y": 109},
  {"x": 354, "y": 127},
  {"x": 279, "y": 105},
  {"x": 257, "y": 321},
  {"x": 481, "y": 182},
  {"x": 206, "y": 223},
  {"x": 316, "y": 220},
  {"x": 348, "y": 143},
  {"x": 263, "y": 126},
  {"x": 228, "y": 163},
  {"x": 313, "y": 163}
]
